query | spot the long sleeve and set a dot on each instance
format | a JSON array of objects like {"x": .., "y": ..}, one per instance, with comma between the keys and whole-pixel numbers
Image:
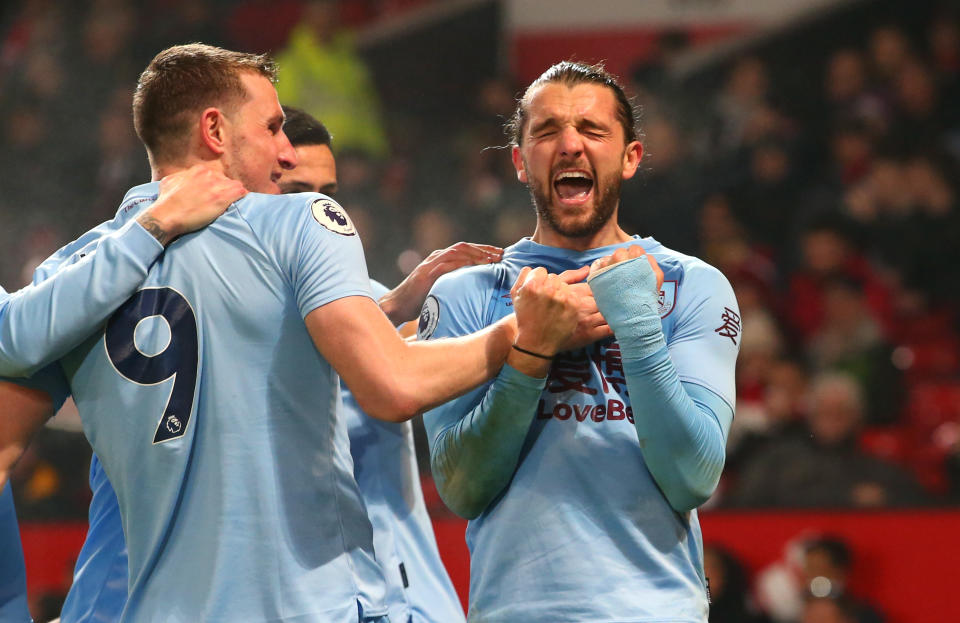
[
  {"x": 682, "y": 429},
  {"x": 474, "y": 454},
  {"x": 681, "y": 421},
  {"x": 43, "y": 321}
]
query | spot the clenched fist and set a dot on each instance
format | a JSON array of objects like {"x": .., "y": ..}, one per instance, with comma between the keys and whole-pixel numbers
[{"x": 547, "y": 310}]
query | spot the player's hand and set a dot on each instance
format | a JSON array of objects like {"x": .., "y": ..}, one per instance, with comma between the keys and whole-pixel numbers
[
  {"x": 623, "y": 254},
  {"x": 591, "y": 325},
  {"x": 189, "y": 200},
  {"x": 547, "y": 311},
  {"x": 404, "y": 302}
]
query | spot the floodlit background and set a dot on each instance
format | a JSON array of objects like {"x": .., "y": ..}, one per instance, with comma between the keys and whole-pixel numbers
[{"x": 807, "y": 148}]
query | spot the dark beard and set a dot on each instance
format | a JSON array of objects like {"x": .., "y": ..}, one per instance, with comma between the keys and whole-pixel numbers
[{"x": 607, "y": 199}]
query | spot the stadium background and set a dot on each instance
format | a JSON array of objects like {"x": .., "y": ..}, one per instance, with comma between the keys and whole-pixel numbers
[{"x": 808, "y": 148}]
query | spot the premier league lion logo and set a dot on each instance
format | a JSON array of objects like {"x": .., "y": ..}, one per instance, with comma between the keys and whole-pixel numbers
[
  {"x": 429, "y": 318},
  {"x": 328, "y": 213}
]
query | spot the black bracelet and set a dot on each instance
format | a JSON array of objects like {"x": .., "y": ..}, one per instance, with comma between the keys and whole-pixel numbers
[{"x": 531, "y": 353}]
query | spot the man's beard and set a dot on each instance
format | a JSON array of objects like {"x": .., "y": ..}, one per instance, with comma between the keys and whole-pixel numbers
[{"x": 606, "y": 199}]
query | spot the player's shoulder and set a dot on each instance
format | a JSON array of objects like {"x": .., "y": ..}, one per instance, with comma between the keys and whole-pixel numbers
[
  {"x": 296, "y": 209},
  {"x": 260, "y": 205},
  {"x": 458, "y": 300},
  {"x": 470, "y": 279},
  {"x": 688, "y": 269},
  {"x": 136, "y": 199}
]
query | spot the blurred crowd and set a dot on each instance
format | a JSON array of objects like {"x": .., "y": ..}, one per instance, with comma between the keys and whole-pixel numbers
[
  {"x": 810, "y": 583},
  {"x": 837, "y": 224},
  {"x": 836, "y": 221}
]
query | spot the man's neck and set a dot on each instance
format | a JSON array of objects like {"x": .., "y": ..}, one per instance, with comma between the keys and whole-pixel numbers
[
  {"x": 609, "y": 235},
  {"x": 159, "y": 171}
]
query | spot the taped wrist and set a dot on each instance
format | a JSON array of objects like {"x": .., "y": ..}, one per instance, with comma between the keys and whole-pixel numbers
[{"x": 626, "y": 295}]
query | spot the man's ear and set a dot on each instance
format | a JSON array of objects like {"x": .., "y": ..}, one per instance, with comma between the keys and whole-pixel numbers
[
  {"x": 631, "y": 159},
  {"x": 518, "y": 164},
  {"x": 213, "y": 131}
]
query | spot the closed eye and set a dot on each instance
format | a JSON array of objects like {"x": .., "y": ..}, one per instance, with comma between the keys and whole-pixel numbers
[
  {"x": 275, "y": 124},
  {"x": 594, "y": 131}
]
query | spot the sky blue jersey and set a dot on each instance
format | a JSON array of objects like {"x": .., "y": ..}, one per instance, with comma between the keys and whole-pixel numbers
[
  {"x": 582, "y": 532},
  {"x": 101, "y": 573},
  {"x": 386, "y": 470},
  {"x": 385, "y": 466},
  {"x": 13, "y": 574},
  {"x": 402, "y": 529},
  {"x": 215, "y": 420},
  {"x": 99, "y": 589}
]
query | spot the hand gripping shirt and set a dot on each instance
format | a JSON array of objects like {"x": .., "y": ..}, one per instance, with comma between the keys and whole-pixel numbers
[
  {"x": 582, "y": 532},
  {"x": 215, "y": 420},
  {"x": 385, "y": 466}
]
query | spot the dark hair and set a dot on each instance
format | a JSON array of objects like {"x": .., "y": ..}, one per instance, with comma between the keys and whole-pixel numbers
[
  {"x": 183, "y": 80},
  {"x": 835, "y": 548},
  {"x": 302, "y": 128},
  {"x": 571, "y": 73}
]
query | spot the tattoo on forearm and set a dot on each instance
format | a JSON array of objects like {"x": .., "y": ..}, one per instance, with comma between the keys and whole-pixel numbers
[{"x": 153, "y": 226}]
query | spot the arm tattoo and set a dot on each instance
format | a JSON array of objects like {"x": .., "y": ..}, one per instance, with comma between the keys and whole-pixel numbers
[{"x": 153, "y": 226}]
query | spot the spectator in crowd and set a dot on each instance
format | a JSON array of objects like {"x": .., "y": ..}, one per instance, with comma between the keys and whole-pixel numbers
[
  {"x": 827, "y": 566},
  {"x": 827, "y": 251},
  {"x": 850, "y": 147},
  {"x": 920, "y": 117},
  {"x": 776, "y": 413},
  {"x": 492, "y": 204},
  {"x": 742, "y": 105},
  {"x": 767, "y": 203},
  {"x": 665, "y": 198},
  {"x": 322, "y": 73},
  {"x": 889, "y": 50},
  {"x": 729, "y": 588},
  {"x": 851, "y": 340},
  {"x": 824, "y": 467},
  {"x": 847, "y": 90},
  {"x": 814, "y": 568}
]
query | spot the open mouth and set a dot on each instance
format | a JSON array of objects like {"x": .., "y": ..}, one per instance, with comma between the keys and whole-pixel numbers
[{"x": 573, "y": 186}]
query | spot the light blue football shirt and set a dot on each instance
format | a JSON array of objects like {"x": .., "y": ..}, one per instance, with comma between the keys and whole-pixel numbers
[
  {"x": 385, "y": 466},
  {"x": 421, "y": 590},
  {"x": 13, "y": 573},
  {"x": 582, "y": 532},
  {"x": 99, "y": 589},
  {"x": 215, "y": 420}
]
